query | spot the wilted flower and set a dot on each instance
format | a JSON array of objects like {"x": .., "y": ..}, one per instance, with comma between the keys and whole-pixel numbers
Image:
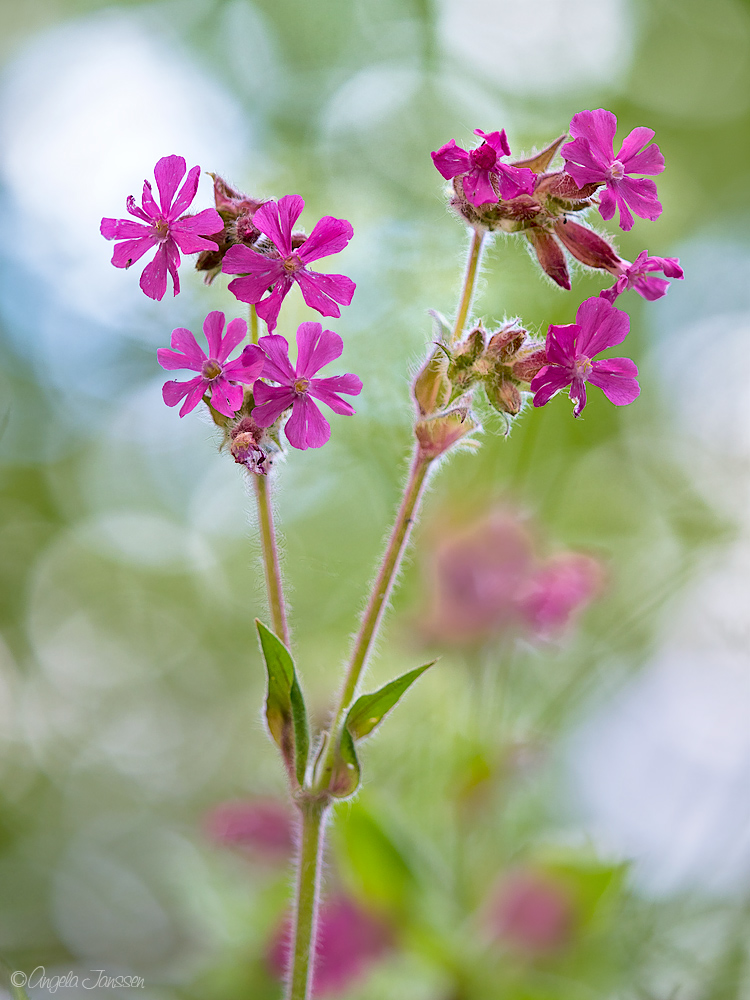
[
  {"x": 316, "y": 347},
  {"x": 216, "y": 373},
  {"x": 570, "y": 352},
  {"x": 286, "y": 263},
  {"x": 590, "y": 159},
  {"x": 349, "y": 940},
  {"x": 163, "y": 226},
  {"x": 638, "y": 276}
]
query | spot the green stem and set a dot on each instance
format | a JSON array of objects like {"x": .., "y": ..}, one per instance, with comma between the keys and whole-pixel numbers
[
  {"x": 254, "y": 326},
  {"x": 470, "y": 279},
  {"x": 274, "y": 585},
  {"x": 378, "y": 601},
  {"x": 308, "y": 890}
]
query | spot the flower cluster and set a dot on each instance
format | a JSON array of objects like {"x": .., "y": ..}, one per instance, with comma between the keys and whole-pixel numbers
[{"x": 526, "y": 197}]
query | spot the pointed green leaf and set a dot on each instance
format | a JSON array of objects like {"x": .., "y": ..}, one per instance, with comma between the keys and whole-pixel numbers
[
  {"x": 368, "y": 711},
  {"x": 285, "y": 706}
]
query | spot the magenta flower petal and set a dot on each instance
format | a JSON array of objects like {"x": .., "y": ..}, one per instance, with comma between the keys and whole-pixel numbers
[
  {"x": 561, "y": 344},
  {"x": 278, "y": 367},
  {"x": 213, "y": 326},
  {"x": 172, "y": 361},
  {"x": 478, "y": 188},
  {"x": 168, "y": 172},
  {"x": 599, "y": 128},
  {"x": 268, "y": 309},
  {"x": 616, "y": 377},
  {"x": 547, "y": 382},
  {"x": 193, "y": 391},
  {"x": 133, "y": 209},
  {"x": 582, "y": 163},
  {"x": 276, "y": 218},
  {"x": 496, "y": 140},
  {"x": 601, "y": 325},
  {"x": 514, "y": 181},
  {"x": 578, "y": 395},
  {"x": 350, "y": 384},
  {"x": 183, "y": 340},
  {"x": 187, "y": 194},
  {"x": 639, "y": 160},
  {"x": 451, "y": 160},
  {"x": 185, "y": 231},
  {"x": 322, "y": 389},
  {"x": 123, "y": 229},
  {"x": 640, "y": 194},
  {"x": 271, "y": 402},
  {"x": 323, "y": 291},
  {"x": 130, "y": 251},
  {"x": 150, "y": 208},
  {"x": 316, "y": 348},
  {"x": 328, "y": 237},
  {"x": 307, "y": 427},
  {"x": 236, "y": 333},
  {"x": 154, "y": 277},
  {"x": 225, "y": 397}
]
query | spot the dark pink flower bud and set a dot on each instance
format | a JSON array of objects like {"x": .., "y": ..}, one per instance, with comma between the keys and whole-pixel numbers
[
  {"x": 586, "y": 245},
  {"x": 349, "y": 940},
  {"x": 438, "y": 434},
  {"x": 528, "y": 364},
  {"x": 550, "y": 256},
  {"x": 261, "y": 827},
  {"x": 532, "y": 913}
]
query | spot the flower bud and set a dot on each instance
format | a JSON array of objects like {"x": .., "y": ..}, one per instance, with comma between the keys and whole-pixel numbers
[
  {"x": 506, "y": 343},
  {"x": 439, "y": 433},
  {"x": 528, "y": 363},
  {"x": 550, "y": 256},
  {"x": 560, "y": 186},
  {"x": 504, "y": 395},
  {"x": 432, "y": 388},
  {"x": 586, "y": 245}
]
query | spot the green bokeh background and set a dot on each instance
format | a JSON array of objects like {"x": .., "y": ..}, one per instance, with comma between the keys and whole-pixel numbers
[{"x": 130, "y": 678}]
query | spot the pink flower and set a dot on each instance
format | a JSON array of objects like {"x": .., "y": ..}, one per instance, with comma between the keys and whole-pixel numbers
[
  {"x": 482, "y": 166},
  {"x": 163, "y": 226},
  {"x": 287, "y": 264},
  {"x": 560, "y": 588},
  {"x": 262, "y": 827},
  {"x": 590, "y": 159},
  {"x": 570, "y": 350},
  {"x": 635, "y": 276},
  {"x": 532, "y": 913},
  {"x": 216, "y": 373},
  {"x": 349, "y": 939},
  {"x": 316, "y": 347}
]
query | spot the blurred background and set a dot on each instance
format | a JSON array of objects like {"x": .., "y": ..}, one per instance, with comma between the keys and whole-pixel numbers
[{"x": 561, "y": 809}]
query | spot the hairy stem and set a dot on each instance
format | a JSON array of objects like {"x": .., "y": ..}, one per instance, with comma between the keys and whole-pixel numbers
[
  {"x": 470, "y": 279},
  {"x": 254, "y": 325},
  {"x": 378, "y": 600},
  {"x": 306, "y": 903},
  {"x": 274, "y": 585}
]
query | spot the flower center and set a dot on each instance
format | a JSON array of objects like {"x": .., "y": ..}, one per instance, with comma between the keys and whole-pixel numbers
[
  {"x": 616, "y": 171},
  {"x": 211, "y": 369},
  {"x": 583, "y": 367},
  {"x": 162, "y": 228},
  {"x": 301, "y": 385},
  {"x": 292, "y": 264},
  {"x": 483, "y": 156}
]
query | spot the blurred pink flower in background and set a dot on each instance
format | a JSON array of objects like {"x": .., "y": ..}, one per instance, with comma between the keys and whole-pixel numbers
[
  {"x": 263, "y": 828},
  {"x": 531, "y": 913},
  {"x": 486, "y": 579},
  {"x": 350, "y": 939}
]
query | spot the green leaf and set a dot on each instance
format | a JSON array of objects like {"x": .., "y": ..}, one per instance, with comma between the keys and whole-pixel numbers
[
  {"x": 285, "y": 707},
  {"x": 368, "y": 711}
]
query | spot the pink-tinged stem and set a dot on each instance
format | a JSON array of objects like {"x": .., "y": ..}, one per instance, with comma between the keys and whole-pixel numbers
[
  {"x": 270, "y": 550},
  {"x": 470, "y": 279},
  {"x": 309, "y": 865},
  {"x": 378, "y": 601}
]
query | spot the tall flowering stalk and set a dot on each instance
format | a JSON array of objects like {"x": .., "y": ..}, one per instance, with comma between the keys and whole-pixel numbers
[{"x": 264, "y": 402}]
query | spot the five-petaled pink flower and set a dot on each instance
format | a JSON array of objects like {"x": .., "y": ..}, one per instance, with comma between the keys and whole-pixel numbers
[
  {"x": 590, "y": 159},
  {"x": 316, "y": 347},
  {"x": 570, "y": 352},
  {"x": 636, "y": 276},
  {"x": 163, "y": 226},
  {"x": 287, "y": 264},
  {"x": 481, "y": 165},
  {"x": 216, "y": 373}
]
